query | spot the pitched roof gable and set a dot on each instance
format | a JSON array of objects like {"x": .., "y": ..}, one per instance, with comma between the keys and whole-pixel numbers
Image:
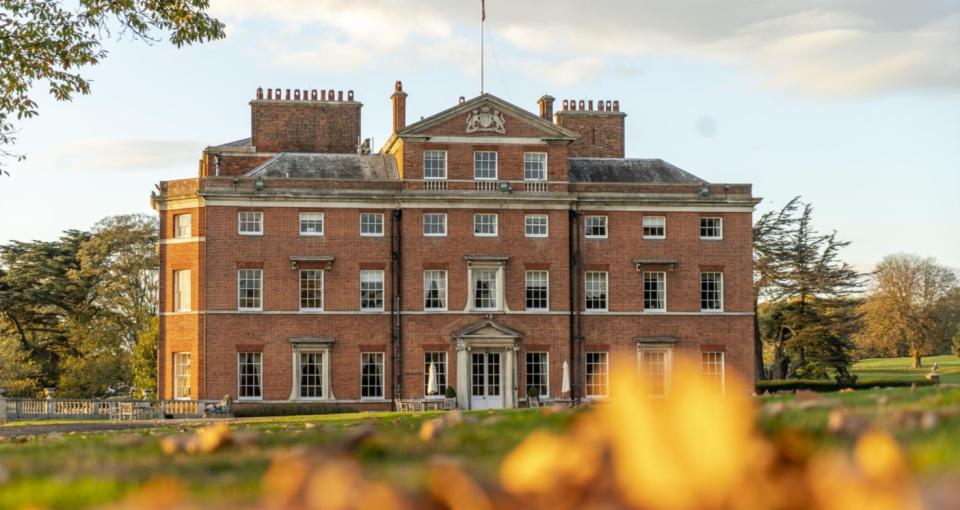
[{"x": 549, "y": 129}]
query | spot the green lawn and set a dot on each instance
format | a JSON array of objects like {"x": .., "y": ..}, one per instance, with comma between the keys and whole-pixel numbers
[
  {"x": 84, "y": 469},
  {"x": 899, "y": 368},
  {"x": 91, "y": 469}
]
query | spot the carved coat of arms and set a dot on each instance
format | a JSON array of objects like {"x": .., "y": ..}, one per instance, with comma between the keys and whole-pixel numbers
[{"x": 485, "y": 119}]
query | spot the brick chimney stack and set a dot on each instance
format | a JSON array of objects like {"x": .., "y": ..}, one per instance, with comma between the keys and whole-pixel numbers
[
  {"x": 546, "y": 107},
  {"x": 601, "y": 127},
  {"x": 299, "y": 120},
  {"x": 399, "y": 98}
]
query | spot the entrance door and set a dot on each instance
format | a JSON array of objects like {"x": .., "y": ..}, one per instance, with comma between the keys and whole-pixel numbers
[{"x": 485, "y": 392}]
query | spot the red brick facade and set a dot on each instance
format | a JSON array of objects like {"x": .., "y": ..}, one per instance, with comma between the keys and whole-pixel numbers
[{"x": 237, "y": 183}]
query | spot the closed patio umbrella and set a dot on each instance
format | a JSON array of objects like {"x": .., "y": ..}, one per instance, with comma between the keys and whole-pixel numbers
[
  {"x": 565, "y": 384},
  {"x": 432, "y": 380}
]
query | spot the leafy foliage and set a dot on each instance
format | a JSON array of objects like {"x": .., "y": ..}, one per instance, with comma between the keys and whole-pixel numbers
[
  {"x": 808, "y": 312},
  {"x": 45, "y": 41},
  {"x": 78, "y": 306},
  {"x": 913, "y": 309}
]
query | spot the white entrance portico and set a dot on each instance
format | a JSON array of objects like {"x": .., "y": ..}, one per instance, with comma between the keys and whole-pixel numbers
[{"x": 487, "y": 366}]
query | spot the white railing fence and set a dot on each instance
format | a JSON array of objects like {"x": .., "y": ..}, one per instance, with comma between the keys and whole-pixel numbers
[{"x": 53, "y": 409}]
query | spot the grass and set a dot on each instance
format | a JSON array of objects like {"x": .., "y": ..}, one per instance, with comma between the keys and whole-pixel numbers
[
  {"x": 900, "y": 369},
  {"x": 85, "y": 469}
]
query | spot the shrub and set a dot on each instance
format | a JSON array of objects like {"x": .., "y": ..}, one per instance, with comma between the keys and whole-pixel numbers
[
  {"x": 825, "y": 385},
  {"x": 246, "y": 410},
  {"x": 533, "y": 392},
  {"x": 450, "y": 392}
]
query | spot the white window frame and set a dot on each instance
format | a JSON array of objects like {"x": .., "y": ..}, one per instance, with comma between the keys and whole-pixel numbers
[
  {"x": 496, "y": 164},
  {"x": 425, "y": 158},
  {"x": 182, "y": 296},
  {"x": 260, "y": 376},
  {"x": 603, "y": 361},
  {"x": 322, "y": 296},
  {"x": 324, "y": 372},
  {"x": 311, "y": 217},
  {"x": 379, "y": 218},
  {"x": 427, "y": 275},
  {"x": 250, "y": 218},
  {"x": 662, "y": 220},
  {"x": 708, "y": 374},
  {"x": 586, "y": 226},
  {"x": 181, "y": 373},
  {"x": 526, "y": 287},
  {"x": 380, "y": 361},
  {"x": 498, "y": 287},
  {"x": 546, "y": 225},
  {"x": 719, "y": 228},
  {"x": 370, "y": 273},
  {"x": 720, "y": 292},
  {"x": 606, "y": 291},
  {"x": 182, "y": 226},
  {"x": 667, "y": 352},
  {"x": 443, "y": 360},
  {"x": 240, "y": 278},
  {"x": 545, "y": 374},
  {"x": 662, "y": 291},
  {"x": 477, "y": 217},
  {"x": 528, "y": 157},
  {"x": 443, "y": 223}
]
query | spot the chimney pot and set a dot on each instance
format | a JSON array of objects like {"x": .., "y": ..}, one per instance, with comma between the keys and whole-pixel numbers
[
  {"x": 340, "y": 95},
  {"x": 288, "y": 95},
  {"x": 582, "y": 105},
  {"x": 398, "y": 87},
  {"x": 330, "y": 95},
  {"x": 313, "y": 95},
  {"x": 566, "y": 105},
  {"x": 609, "y": 106},
  {"x": 259, "y": 92},
  {"x": 590, "y": 105},
  {"x": 349, "y": 95},
  {"x": 269, "y": 93},
  {"x": 616, "y": 105},
  {"x": 277, "y": 94},
  {"x": 296, "y": 95}
]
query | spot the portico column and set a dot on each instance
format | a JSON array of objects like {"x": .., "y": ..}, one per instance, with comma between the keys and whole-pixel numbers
[
  {"x": 508, "y": 393},
  {"x": 463, "y": 377}
]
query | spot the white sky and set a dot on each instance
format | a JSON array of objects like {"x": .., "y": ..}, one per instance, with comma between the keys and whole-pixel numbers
[{"x": 853, "y": 104}]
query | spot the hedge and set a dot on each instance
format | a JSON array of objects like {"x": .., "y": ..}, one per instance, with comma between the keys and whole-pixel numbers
[
  {"x": 250, "y": 409},
  {"x": 826, "y": 385}
]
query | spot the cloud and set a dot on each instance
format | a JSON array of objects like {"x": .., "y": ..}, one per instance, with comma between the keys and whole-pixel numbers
[
  {"x": 814, "y": 47},
  {"x": 130, "y": 155}
]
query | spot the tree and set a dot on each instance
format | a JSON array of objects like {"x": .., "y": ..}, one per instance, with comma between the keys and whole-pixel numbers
[
  {"x": 45, "y": 41},
  {"x": 20, "y": 376},
  {"x": 771, "y": 235},
  {"x": 80, "y": 305},
  {"x": 800, "y": 271},
  {"x": 910, "y": 307},
  {"x": 143, "y": 363}
]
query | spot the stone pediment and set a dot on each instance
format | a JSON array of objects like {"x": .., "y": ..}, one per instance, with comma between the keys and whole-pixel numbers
[
  {"x": 487, "y": 329},
  {"x": 486, "y": 116}
]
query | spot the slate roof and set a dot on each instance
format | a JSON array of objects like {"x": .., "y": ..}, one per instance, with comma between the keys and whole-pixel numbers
[
  {"x": 328, "y": 166},
  {"x": 627, "y": 170}
]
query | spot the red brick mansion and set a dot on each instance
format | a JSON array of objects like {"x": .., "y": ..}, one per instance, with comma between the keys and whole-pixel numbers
[{"x": 495, "y": 245}]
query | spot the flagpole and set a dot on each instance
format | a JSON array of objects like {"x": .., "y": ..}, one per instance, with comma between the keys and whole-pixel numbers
[{"x": 483, "y": 18}]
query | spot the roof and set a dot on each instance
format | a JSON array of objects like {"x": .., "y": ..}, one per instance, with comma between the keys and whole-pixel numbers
[
  {"x": 627, "y": 170},
  {"x": 328, "y": 166}
]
